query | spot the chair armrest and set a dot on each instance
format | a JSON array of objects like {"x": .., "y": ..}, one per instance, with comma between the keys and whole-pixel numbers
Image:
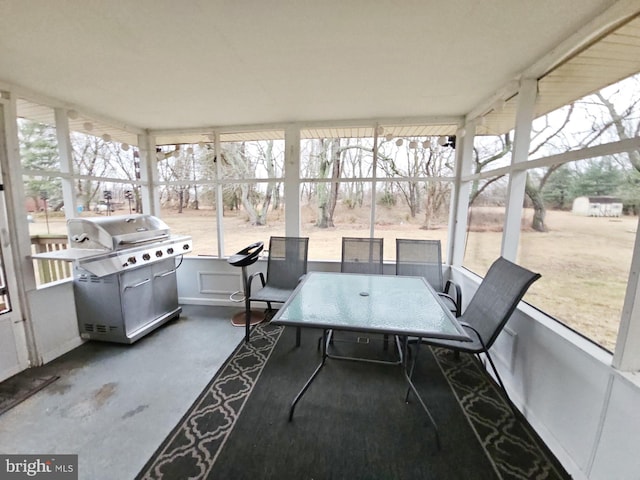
[
  {"x": 456, "y": 296},
  {"x": 466, "y": 325},
  {"x": 449, "y": 297},
  {"x": 247, "y": 290}
]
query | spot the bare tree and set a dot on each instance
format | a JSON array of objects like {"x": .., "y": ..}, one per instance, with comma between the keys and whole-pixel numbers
[
  {"x": 89, "y": 154},
  {"x": 410, "y": 165},
  {"x": 241, "y": 163}
]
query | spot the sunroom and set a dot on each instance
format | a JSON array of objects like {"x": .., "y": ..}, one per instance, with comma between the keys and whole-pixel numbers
[{"x": 477, "y": 125}]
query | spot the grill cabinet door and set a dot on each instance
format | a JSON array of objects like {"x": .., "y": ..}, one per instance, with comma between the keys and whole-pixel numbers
[
  {"x": 136, "y": 288},
  {"x": 165, "y": 287}
]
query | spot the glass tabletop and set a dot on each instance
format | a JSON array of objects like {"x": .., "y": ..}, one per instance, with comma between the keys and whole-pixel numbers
[{"x": 389, "y": 304}]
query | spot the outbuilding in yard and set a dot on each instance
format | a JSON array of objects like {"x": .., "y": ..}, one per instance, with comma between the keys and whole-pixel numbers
[{"x": 603, "y": 206}]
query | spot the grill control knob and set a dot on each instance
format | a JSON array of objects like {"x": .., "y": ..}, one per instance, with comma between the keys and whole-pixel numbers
[
  {"x": 185, "y": 246},
  {"x": 169, "y": 250},
  {"x": 158, "y": 253},
  {"x": 132, "y": 260},
  {"x": 146, "y": 256}
]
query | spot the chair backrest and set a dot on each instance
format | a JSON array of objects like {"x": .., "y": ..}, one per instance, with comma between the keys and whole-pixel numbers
[
  {"x": 420, "y": 258},
  {"x": 287, "y": 261},
  {"x": 361, "y": 255},
  {"x": 497, "y": 297}
]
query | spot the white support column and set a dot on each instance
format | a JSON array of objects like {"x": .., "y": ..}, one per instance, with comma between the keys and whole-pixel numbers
[
  {"x": 292, "y": 181},
  {"x": 517, "y": 180},
  {"x": 217, "y": 148},
  {"x": 459, "y": 209},
  {"x": 374, "y": 183},
  {"x": 627, "y": 353},
  {"x": 66, "y": 162},
  {"x": 149, "y": 175}
]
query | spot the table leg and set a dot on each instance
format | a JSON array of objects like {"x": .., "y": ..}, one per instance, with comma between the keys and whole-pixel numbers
[
  {"x": 413, "y": 365},
  {"x": 412, "y": 388},
  {"x": 312, "y": 377}
]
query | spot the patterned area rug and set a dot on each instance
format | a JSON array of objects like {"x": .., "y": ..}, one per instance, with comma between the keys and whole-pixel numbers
[
  {"x": 211, "y": 441},
  {"x": 193, "y": 447},
  {"x": 507, "y": 440}
]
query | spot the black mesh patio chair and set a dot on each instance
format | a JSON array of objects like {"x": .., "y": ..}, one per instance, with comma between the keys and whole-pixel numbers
[
  {"x": 286, "y": 266},
  {"x": 361, "y": 255},
  {"x": 423, "y": 258},
  {"x": 489, "y": 310}
]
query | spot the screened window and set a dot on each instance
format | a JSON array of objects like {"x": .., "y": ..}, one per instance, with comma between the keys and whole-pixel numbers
[{"x": 405, "y": 193}]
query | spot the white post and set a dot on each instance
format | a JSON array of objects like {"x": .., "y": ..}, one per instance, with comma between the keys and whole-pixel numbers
[
  {"x": 217, "y": 149},
  {"x": 66, "y": 162},
  {"x": 374, "y": 183},
  {"x": 459, "y": 208},
  {"x": 292, "y": 181},
  {"x": 150, "y": 194},
  {"x": 517, "y": 179},
  {"x": 627, "y": 353}
]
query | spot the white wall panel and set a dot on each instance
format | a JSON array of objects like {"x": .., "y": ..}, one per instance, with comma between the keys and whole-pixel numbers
[
  {"x": 54, "y": 320},
  {"x": 617, "y": 456},
  {"x": 562, "y": 387},
  {"x": 8, "y": 353}
]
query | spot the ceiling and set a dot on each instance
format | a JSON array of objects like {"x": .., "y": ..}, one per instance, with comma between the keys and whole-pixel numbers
[{"x": 178, "y": 66}]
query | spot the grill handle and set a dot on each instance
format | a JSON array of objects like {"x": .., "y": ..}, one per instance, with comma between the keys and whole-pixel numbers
[
  {"x": 143, "y": 240},
  {"x": 160, "y": 275},
  {"x": 139, "y": 284}
]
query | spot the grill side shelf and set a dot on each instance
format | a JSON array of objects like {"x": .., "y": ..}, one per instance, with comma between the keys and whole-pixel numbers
[{"x": 70, "y": 254}]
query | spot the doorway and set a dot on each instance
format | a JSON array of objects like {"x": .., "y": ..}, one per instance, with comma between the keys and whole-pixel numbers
[{"x": 14, "y": 355}]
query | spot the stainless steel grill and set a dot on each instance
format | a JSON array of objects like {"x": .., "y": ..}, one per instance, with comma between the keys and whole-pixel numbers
[{"x": 124, "y": 274}]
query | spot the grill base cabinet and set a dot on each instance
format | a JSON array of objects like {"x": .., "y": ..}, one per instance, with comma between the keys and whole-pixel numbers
[
  {"x": 124, "y": 274},
  {"x": 125, "y": 306}
]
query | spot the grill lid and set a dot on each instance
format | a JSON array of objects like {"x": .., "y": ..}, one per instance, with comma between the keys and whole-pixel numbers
[{"x": 115, "y": 232}]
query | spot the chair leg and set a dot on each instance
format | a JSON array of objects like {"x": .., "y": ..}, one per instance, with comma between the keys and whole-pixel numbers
[
  {"x": 320, "y": 340},
  {"x": 247, "y": 320},
  {"x": 515, "y": 411}
]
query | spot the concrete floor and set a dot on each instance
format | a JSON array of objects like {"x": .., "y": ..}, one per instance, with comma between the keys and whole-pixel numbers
[{"x": 114, "y": 404}]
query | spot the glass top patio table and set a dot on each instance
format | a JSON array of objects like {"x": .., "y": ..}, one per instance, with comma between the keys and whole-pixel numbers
[{"x": 389, "y": 304}]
